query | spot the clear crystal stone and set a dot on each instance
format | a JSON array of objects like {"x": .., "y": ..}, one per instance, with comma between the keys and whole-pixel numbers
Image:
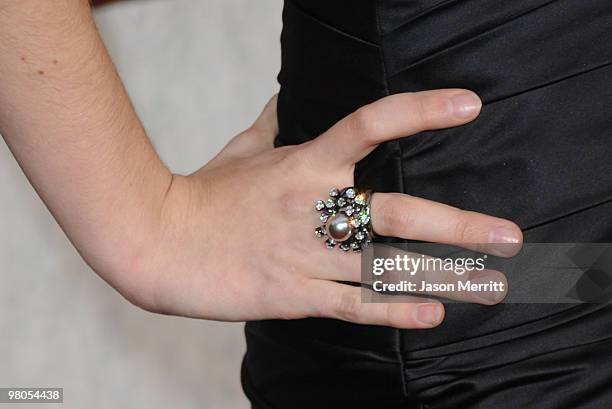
[
  {"x": 341, "y": 202},
  {"x": 320, "y": 205},
  {"x": 334, "y": 192},
  {"x": 348, "y": 211},
  {"x": 360, "y": 235},
  {"x": 330, "y": 243},
  {"x": 350, "y": 193},
  {"x": 330, "y": 203},
  {"x": 345, "y": 247},
  {"x": 354, "y": 245},
  {"x": 320, "y": 232},
  {"x": 364, "y": 216},
  {"x": 324, "y": 216}
]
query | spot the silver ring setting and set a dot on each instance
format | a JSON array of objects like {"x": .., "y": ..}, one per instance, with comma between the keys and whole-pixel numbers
[{"x": 346, "y": 219}]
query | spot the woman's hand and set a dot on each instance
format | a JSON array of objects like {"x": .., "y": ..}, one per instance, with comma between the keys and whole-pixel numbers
[{"x": 235, "y": 239}]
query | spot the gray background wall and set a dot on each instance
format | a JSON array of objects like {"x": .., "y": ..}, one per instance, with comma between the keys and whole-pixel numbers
[{"x": 198, "y": 71}]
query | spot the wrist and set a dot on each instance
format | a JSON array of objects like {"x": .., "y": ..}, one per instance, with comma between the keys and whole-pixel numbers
[{"x": 157, "y": 264}]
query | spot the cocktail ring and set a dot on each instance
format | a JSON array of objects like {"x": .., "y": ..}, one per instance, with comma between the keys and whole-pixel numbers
[{"x": 345, "y": 218}]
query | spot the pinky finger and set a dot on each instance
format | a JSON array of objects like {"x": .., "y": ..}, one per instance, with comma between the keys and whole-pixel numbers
[{"x": 344, "y": 302}]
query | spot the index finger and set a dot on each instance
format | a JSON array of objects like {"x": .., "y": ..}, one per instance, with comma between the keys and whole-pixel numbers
[{"x": 392, "y": 117}]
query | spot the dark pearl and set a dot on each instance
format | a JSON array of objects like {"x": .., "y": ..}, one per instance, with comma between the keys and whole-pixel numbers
[{"x": 339, "y": 227}]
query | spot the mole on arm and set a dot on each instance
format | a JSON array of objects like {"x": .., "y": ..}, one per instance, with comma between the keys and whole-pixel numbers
[{"x": 41, "y": 72}]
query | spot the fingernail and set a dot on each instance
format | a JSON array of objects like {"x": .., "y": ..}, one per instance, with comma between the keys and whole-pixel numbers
[
  {"x": 489, "y": 296},
  {"x": 466, "y": 105},
  {"x": 504, "y": 242},
  {"x": 503, "y": 235},
  {"x": 429, "y": 314}
]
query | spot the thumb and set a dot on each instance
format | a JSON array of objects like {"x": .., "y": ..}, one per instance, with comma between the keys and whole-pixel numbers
[
  {"x": 259, "y": 137},
  {"x": 266, "y": 124}
]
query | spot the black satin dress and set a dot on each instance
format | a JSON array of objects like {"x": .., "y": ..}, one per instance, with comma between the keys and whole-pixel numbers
[{"x": 540, "y": 154}]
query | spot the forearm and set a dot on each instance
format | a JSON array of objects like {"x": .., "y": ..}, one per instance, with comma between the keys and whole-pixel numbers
[{"x": 67, "y": 119}]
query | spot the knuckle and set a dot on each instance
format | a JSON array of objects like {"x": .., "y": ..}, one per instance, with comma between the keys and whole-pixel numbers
[
  {"x": 423, "y": 112},
  {"x": 366, "y": 122},
  {"x": 430, "y": 109},
  {"x": 393, "y": 217},
  {"x": 289, "y": 202},
  {"x": 347, "y": 306},
  {"x": 389, "y": 318},
  {"x": 291, "y": 206},
  {"x": 463, "y": 230},
  {"x": 420, "y": 111}
]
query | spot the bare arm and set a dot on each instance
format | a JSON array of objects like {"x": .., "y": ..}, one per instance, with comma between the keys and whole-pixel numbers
[{"x": 67, "y": 119}]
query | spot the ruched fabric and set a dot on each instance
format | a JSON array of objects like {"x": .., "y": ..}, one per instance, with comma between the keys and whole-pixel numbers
[{"x": 539, "y": 154}]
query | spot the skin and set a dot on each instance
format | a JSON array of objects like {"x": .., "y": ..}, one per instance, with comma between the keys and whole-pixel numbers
[{"x": 234, "y": 240}]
